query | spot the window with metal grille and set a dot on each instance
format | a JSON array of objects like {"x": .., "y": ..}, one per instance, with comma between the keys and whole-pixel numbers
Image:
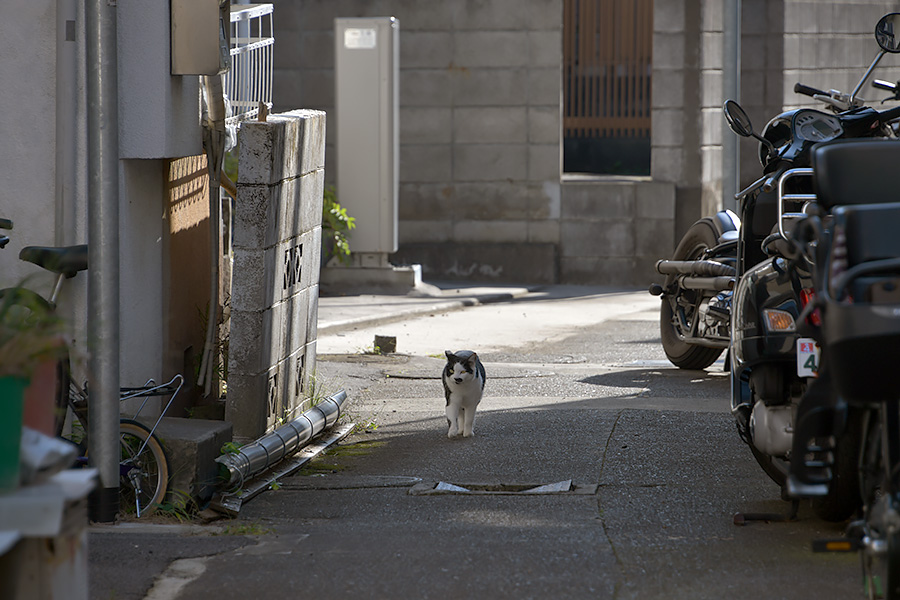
[
  {"x": 249, "y": 81},
  {"x": 607, "y": 62}
]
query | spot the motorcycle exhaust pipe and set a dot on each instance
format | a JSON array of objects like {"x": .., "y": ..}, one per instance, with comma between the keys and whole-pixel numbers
[
  {"x": 703, "y": 268},
  {"x": 718, "y": 284}
]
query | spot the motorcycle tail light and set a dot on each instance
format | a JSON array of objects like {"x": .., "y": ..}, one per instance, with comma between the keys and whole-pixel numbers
[
  {"x": 838, "y": 262},
  {"x": 778, "y": 320},
  {"x": 807, "y": 296}
]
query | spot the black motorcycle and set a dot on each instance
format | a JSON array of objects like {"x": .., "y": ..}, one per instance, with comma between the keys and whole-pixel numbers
[
  {"x": 852, "y": 240},
  {"x": 730, "y": 284}
]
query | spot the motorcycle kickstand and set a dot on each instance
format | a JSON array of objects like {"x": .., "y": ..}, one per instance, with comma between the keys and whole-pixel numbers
[{"x": 743, "y": 518}]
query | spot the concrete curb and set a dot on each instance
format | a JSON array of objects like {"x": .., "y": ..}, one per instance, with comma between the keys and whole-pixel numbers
[{"x": 333, "y": 320}]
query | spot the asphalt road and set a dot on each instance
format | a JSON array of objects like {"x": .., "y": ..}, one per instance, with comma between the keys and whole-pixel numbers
[{"x": 578, "y": 389}]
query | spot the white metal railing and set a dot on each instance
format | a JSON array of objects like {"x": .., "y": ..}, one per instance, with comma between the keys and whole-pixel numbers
[{"x": 249, "y": 81}]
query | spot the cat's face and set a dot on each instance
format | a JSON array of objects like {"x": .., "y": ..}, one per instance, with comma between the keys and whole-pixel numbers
[{"x": 459, "y": 371}]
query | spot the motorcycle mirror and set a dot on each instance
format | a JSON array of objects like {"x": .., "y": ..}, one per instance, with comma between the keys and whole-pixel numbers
[
  {"x": 737, "y": 119},
  {"x": 885, "y": 35},
  {"x": 739, "y": 123}
]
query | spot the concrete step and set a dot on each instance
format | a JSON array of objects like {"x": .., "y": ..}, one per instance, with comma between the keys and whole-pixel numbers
[{"x": 192, "y": 445}]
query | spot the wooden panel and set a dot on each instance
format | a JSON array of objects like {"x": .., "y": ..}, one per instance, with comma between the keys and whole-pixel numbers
[{"x": 607, "y": 53}]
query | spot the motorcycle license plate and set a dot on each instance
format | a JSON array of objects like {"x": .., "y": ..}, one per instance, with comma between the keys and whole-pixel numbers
[{"x": 808, "y": 356}]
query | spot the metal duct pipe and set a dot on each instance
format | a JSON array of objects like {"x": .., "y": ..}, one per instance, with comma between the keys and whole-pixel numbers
[{"x": 287, "y": 439}]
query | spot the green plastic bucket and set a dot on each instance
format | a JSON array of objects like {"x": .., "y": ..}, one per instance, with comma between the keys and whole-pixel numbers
[{"x": 12, "y": 393}]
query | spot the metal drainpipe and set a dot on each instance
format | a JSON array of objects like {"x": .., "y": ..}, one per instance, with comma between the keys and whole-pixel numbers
[
  {"x": 214, "y": 143},
  {"x": 66, "y": 120},
  {"x": 287, "y": 439},
  {"x": 103, "y": 244},
  {"x": 731, "y": 88}
]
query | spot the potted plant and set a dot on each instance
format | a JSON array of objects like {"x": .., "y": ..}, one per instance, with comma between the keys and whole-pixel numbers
[
  {"x": 30, "y": 341},
  {"x": 336, "y": 225}
]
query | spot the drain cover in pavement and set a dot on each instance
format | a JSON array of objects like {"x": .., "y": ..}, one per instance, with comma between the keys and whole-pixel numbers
[{"x": 443, "y": 487}]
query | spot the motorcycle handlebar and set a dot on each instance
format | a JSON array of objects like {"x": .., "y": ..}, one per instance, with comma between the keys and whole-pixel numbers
[
  {"x": 889, "y": 114},
  {"x": 806, "y": 90}
]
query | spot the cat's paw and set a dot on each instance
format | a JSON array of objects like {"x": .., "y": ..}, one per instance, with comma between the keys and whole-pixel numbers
[
  {"x": 452, "y": 433},
  {"x": 470, "y": 433}
]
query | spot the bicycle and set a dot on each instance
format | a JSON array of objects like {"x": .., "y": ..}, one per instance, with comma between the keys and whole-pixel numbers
[{"x": 143, "y": 465}]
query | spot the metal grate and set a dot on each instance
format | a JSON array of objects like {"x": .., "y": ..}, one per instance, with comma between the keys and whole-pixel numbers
[
  {"x": 249, "y": 81},
  {"x": 607, "y": 60}
]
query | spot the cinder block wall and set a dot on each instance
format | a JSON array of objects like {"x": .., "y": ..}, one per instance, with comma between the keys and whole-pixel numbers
[
  {"x": 481, "y": 193},
  {"x": 829, "y": 44},
  {"x": 275, "y": 281},
  {"x": 479, "y": 125},
  {"x": 826, "y": 44}
]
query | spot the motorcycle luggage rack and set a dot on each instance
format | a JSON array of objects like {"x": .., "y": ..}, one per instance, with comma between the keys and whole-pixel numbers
[{"x": 805, "y": 198}]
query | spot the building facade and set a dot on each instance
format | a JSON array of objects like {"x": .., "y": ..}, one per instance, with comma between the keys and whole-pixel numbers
[{"x": 483, "y": 191}]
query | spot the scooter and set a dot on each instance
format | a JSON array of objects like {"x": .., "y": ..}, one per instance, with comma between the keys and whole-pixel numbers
[
  {"x": 853, "y": 243},
  {"x": 729, "y": 284}
]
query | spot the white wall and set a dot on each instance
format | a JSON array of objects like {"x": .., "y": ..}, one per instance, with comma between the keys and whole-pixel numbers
[
  {"x": 28, "y": 129},
  {"x": 43, "y": 178}
]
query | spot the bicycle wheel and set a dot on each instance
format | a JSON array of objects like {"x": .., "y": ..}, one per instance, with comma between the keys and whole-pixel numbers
[
  {"x": 61, "y": 397},
  {"x": 143, "y": 469}
]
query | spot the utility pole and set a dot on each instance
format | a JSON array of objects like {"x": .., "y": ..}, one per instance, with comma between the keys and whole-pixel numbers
[{"x": 103, "y": 253}]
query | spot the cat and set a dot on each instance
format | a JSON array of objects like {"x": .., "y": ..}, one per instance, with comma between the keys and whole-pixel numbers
[{"x": 464, "y": 379}]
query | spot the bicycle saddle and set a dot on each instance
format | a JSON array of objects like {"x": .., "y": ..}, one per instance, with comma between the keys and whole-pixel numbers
[{"x": 67, "y": 260}]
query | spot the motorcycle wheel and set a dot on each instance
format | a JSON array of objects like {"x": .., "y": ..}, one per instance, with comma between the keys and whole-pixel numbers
[
  {"x": 844, "y": 497},
  {"x": 892, "y": 583},
  {"x": 701, "y": 236},
  {"x": 775, "y": 468}
]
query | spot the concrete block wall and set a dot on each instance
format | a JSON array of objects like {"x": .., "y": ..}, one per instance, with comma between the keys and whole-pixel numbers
[
  {"x": 826, "y": 44},
  {"x": 762, "y": 70},
  {"x": 829, "y": 44},
  {"x": 615, "y": 229},
  {"x": 480, "y": 125},
  {"x": 684, "y": 33},
  {"x": 275, "y": 280},
  {"x": 480, "y": 128}
]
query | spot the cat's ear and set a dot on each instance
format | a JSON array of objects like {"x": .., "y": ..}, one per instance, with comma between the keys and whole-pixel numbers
[
  {"x": 472, "y": 359},
  {"x": 449, "y": 354}
]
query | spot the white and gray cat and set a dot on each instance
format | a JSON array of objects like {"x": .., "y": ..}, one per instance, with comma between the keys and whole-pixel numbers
[{"x": 463, "y": 379}]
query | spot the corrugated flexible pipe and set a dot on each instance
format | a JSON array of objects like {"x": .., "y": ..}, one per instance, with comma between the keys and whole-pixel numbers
[{"x": 287, "y": 439}]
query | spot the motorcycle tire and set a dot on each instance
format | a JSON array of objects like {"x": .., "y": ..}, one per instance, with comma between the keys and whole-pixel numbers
[
  {"x": 892, "y": 583},
  {"x": 701, "y": 236},
  {"x": 844, "y": 497},
  {"x": 775, "y": 468}
]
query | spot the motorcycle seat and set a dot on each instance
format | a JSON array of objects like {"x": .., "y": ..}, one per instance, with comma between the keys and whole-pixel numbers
[{"x": 856, "y": 172}]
